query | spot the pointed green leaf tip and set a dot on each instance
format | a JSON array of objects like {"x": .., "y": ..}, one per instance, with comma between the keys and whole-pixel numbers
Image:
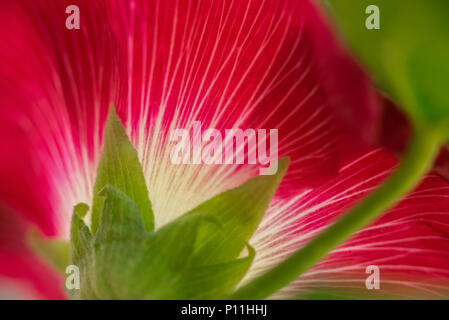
[{"x": 120, "y": 167}]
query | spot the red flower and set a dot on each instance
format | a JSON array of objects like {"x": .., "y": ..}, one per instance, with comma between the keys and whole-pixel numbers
[{"x": 165, "y": 64}]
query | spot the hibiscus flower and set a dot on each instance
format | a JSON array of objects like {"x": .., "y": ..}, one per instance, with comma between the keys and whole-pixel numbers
[{"x": 166, "y": 64}]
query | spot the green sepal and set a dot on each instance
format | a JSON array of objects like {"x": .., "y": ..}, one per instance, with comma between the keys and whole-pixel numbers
[
  {"x": 194, "y": 257},
  {"x": 238, "y": 213},
  {"x": 82, "y": 257},
  {"x": 120, "y": 167},
  {"x": 165, "y": 260},
  {"x": 197, "y": 256},
  {"x": 122, "y": 261},
  {"x": 216, "y": 281},
  {"x": 117, "y": 243}
]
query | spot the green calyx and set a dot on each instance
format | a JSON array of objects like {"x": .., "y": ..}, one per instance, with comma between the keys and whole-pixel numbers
[{"x": 203, "y": 254}]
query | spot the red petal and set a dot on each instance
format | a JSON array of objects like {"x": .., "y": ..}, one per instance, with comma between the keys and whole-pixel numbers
[
  {"x": 239, "y": 64},
  {"x": 409, "y": 244},
  {"x": 228, "y": 65},
  {"x": 167, "y": 63},
  {"x": 55, "y": 87}
]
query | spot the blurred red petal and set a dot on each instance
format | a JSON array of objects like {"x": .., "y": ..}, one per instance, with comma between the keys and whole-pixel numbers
[
  {"x": 23, "y": 275},
  {"x": 27, "y": 277},
  {"x": 55, "y": 86}
]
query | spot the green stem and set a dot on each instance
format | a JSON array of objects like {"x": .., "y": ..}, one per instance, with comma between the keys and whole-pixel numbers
[{"x": 415, "y": 163}]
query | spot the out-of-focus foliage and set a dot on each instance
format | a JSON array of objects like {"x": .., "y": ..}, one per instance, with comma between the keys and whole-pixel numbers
[
  {"x": 408, "y": 55},
  {"x": 57, "y": 252}
]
